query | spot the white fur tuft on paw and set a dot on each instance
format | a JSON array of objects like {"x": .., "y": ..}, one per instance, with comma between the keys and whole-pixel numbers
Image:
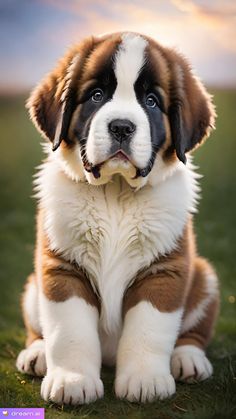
[
  {"x": 62, "y": 386},
  {"x": 32, "y": 360},
  {"x": 141, "y": 387},
  {"x": 190, "y": 364}
]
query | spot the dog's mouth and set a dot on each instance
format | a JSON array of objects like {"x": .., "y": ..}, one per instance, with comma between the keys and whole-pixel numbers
[
  {"x": 96, "y": 169},
  {"x": 119, "y": 155}
]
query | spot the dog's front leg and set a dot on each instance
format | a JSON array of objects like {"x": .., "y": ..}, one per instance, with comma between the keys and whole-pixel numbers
[
  {"x": 151, "y": 325},
  {"x": 69, "y": 318}
]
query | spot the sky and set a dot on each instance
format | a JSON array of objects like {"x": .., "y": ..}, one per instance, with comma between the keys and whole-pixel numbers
[{"x": 34, "y": 34}]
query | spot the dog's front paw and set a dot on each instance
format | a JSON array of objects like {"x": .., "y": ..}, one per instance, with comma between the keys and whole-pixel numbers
[
  {"x": 190, "y": 364},
  {"x": 144, "y": 387},
  {"x": 32, "y": 359},
  {"x": 62, "y": 386}
]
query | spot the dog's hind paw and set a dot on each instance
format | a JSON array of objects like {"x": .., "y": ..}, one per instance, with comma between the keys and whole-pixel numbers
[
  {"x": 32, "y": 360},
  {"x": 190, "y": 364}
]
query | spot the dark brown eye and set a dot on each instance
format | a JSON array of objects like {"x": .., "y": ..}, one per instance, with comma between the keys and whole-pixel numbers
[
  {"x": 151, "y": 101},
  {"x": 97, "y": 95}
]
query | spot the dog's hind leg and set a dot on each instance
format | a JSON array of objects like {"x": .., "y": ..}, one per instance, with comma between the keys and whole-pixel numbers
[
  {"x": 32, "y": 359},
  {"x": 189, "y": 362}
]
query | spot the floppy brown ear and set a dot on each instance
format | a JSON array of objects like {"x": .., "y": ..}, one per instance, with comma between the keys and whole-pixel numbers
[
  {"x": 191, "y": 112},
  {"x": 52, "y": 102}
]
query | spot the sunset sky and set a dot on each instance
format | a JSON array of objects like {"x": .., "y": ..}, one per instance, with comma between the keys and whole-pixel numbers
[{"x": 35, "y": 33}]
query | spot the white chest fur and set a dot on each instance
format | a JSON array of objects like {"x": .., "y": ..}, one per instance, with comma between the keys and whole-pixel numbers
[{"x": 113, "y": 231}]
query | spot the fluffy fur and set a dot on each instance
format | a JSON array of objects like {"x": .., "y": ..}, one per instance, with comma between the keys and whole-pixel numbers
[{"x": 117, "y": 278}]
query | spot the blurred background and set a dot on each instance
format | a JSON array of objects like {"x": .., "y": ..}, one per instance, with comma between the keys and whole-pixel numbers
[{"x": 33, "y": 35}]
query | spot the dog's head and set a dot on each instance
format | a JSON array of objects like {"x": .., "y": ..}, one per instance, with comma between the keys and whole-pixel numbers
[{"x": 115, "y": 103}]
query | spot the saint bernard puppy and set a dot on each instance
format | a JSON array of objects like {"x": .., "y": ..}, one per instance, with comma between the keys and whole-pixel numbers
[{"x": 117, "y": 276}]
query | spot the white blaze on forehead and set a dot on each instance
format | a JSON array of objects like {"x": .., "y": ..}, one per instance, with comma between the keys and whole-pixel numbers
[{"x": 130, "y": 59}]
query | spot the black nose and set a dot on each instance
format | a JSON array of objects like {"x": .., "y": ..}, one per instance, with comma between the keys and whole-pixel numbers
[{"x": 121, "y": 129}]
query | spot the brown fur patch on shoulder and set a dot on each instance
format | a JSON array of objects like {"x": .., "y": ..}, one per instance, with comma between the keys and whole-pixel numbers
[
  {"x": 60, "y": 278},
  {"x": 166, "y": 282}
]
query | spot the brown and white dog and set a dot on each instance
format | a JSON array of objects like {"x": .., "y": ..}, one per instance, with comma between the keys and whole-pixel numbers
[{"x": 117, "y": 276}]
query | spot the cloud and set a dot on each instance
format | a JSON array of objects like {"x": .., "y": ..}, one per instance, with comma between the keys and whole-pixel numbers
[
  {"x": 38, "y": 32},
  {"x": 226, "y": 8},
  {"x": 203, "y": 31},
  {"x": 218, "y": 17}
]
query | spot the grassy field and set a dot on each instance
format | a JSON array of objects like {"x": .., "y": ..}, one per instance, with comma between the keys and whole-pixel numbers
[{"x": 216, "y": 232}]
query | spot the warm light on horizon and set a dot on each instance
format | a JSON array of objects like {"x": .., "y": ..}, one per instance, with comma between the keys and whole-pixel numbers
[{"x": 35, "y": 34}]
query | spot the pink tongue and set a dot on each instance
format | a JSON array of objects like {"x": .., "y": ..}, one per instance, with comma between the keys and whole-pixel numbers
[{"x": 121, "y": 156}]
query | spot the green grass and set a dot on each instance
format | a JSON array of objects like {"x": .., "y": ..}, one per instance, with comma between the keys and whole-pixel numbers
[{"x": 216, "y": 232}]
